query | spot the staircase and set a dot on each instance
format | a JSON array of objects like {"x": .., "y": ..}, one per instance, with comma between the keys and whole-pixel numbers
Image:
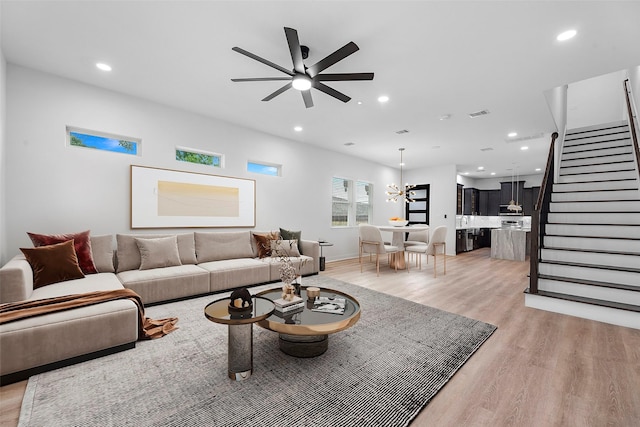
[{"x": 590, "y": 247}]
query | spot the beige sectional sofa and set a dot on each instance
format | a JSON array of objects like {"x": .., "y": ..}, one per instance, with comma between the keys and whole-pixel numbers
[{"x": 208, "y": 262}]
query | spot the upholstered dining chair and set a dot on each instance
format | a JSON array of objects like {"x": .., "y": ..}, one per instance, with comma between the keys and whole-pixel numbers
[
  {"x": 371, "y": 243},
  {"x": 418, "y": 237},
  {"x": 437, "y": 245}
]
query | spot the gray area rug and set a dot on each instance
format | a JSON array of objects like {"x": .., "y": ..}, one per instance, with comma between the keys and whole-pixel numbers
[{"x": 380, "y": 372}]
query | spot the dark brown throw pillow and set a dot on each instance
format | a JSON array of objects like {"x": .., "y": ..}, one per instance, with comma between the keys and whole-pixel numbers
[
  {"x": 53, "y": 263},
  {"x": 82, "y": 245},
  {"x": 263, "y": 243}
]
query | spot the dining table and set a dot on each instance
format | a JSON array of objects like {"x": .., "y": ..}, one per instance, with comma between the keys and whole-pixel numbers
[{"x": 397, "y": 239}]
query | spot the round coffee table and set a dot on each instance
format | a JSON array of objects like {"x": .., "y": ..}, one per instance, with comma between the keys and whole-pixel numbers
[
  {"x": 240, "y": 346},
  {"x": 305, "y": 333}
]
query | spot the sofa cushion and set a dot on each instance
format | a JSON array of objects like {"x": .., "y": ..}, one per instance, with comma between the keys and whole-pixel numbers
[
  {"x": 165, "y": 284},
  {"x": 128, "y": 254},
  {"x": 81, "y": 243},
  {"x": 284, "y": 248},
  {"x": 223, "y": 245},
  {"x": 291, "y": 235},
  {"x": 102, "y": 253},
  {"x": 232, "y": 273},
  {"x": 263, "y": 242},
  {"x": 159, "y": 252},
  {"x": 53, "y": 263}
]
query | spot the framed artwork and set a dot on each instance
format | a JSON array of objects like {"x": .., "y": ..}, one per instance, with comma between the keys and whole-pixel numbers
[{"x": 164, "y": 198}]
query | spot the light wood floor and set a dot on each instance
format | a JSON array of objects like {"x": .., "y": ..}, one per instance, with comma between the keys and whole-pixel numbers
[{"x": 538, "y": 368}]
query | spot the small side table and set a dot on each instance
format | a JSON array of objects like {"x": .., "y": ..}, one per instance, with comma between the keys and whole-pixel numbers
[
  {"x": 322, "y": 260},
  {"x": 240, "y": 346}
]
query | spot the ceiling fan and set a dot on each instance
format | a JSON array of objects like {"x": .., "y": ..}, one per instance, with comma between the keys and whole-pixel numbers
[{"x": 303, "y": 78}]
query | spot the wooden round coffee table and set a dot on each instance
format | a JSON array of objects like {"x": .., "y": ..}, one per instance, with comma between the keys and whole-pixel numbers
[{"x": 305, "y": 333}]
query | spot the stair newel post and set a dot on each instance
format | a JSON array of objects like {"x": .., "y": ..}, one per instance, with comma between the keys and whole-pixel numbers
[{"x": 540, "y": 217}]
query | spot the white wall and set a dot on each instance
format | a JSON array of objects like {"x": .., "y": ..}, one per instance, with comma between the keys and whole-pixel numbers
[
  {"x": 53, "y": 188},
  {"x": 442, "y": 180},
  {"x": 3, "y": 139},
  {"x": 596, "y": 100}
]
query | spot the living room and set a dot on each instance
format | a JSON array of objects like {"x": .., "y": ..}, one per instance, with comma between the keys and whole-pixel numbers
[{"x": 49, "y": 186}]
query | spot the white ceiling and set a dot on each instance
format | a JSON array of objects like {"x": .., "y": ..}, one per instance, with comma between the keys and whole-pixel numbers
[{"x": 430, "y": 57}]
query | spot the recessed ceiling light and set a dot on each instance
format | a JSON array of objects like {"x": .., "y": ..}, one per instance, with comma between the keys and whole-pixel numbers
[
  {"x": 445, "y": 117},
  {"x": 480, "y": 168},
  {"x": 512, "y": 134},
  {"x": 538, "y": 169},
  {"x": 524, "y": 147},
  {"x": 359, "y": 102},
  {"x": 382, "y": 99},
  {"x": 493, "y": 173},
  {"x": 466, "y": 173},
  {"x": 104, "y": 67},
  {"x": 566, "y": 35},
  {"x": 349, "y": 144},
  {"x": 298, "y": 128}
]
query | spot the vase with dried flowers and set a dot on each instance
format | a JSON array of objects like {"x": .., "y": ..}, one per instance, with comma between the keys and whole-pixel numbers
[{"x": 288, "y": 272}]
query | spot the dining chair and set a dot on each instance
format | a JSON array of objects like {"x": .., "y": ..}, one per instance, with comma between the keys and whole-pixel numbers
[
  {"x": 371, "y": 243},
  {"x": 418, "y": 237},
  {"x": 437, "y": 245}
]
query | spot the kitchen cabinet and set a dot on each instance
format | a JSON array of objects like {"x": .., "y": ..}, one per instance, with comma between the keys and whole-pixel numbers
[
  {"x": 489, "y": 202},
  {"x": 461, "y": 241},
  {"x": 511, "y": 191},
  {"x": 471, "y": 204},
  {"x": 459, "y": 200},
  {"x": 530, "y": 199}
]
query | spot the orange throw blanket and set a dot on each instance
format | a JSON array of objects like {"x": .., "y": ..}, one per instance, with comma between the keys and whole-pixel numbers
[{"x": 149, "y": 328}]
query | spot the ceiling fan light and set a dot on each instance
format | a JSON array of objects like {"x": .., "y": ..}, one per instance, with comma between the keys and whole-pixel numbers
[{"x": 301, "y": 82}]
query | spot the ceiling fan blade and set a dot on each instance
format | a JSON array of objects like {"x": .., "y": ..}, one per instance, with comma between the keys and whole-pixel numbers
[
  {"x": 306, "y": 96},
  {"x": 261, "y": 79},
  {"x": 264, "y": 61},
  {"x": 336, "y": 56},
  {"x": 278, "y": 92},
  {"x": 294, "y": 48},
  {"x": 330, "y": 91},
  {"x": 344, "y": 76}
]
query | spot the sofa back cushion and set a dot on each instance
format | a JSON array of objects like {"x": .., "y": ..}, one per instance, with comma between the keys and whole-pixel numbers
[
  {"x": 128, "y": 254},
  {"x": 223, "y": 245},
  {"x": 102, "y": 252}
]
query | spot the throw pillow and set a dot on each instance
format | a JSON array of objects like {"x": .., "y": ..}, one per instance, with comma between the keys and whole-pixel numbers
[
  {"x": 159, "y": 252},
  {"x": 215, "y": 246},
  {"x": 291, "y": 235},
  {"x": 285, "y": 248},
  {"x": 263, "y": 243},
  {"x": 53, "y": 263},
  {"x": 82, "y": 245}
]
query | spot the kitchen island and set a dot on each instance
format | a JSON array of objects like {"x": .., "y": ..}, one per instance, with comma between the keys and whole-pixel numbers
[{"x": 510, "y": 243}]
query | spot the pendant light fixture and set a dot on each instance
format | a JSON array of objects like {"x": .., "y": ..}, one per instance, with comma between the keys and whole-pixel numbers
[
  {"x": 514, "y": 206},
  {"x": 404, "y": 191}
]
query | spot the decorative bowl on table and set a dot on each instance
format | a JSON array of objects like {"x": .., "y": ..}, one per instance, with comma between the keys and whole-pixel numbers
[{"x": 398, "y": 222}]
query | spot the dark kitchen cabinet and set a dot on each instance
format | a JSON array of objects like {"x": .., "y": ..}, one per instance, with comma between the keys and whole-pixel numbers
[
  {"x": 530, "y": 199},
  {"x": 461, "y": 241},
  {"x": 459, "y": 200},
  {"x": 489, "y": 202},
  {"x": 511, "y": 191},
  {"x": 471, "y": 201}
]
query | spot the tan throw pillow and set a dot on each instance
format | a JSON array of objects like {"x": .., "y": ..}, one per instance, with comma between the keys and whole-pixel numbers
[
  {"x": 159, "y": 252},
  {"x": 263, "y": 242},
  {"x": 128, "y": 254},
  {"x": 53, "y": 263},
  {"x": 286, "y": 248}
]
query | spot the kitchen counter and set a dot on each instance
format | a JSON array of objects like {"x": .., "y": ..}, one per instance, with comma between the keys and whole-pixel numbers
[{"x": 510, "y": 243}]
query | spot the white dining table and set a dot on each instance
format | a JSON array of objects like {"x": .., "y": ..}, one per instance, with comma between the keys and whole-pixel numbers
[{"x": 397, "y": 240}]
